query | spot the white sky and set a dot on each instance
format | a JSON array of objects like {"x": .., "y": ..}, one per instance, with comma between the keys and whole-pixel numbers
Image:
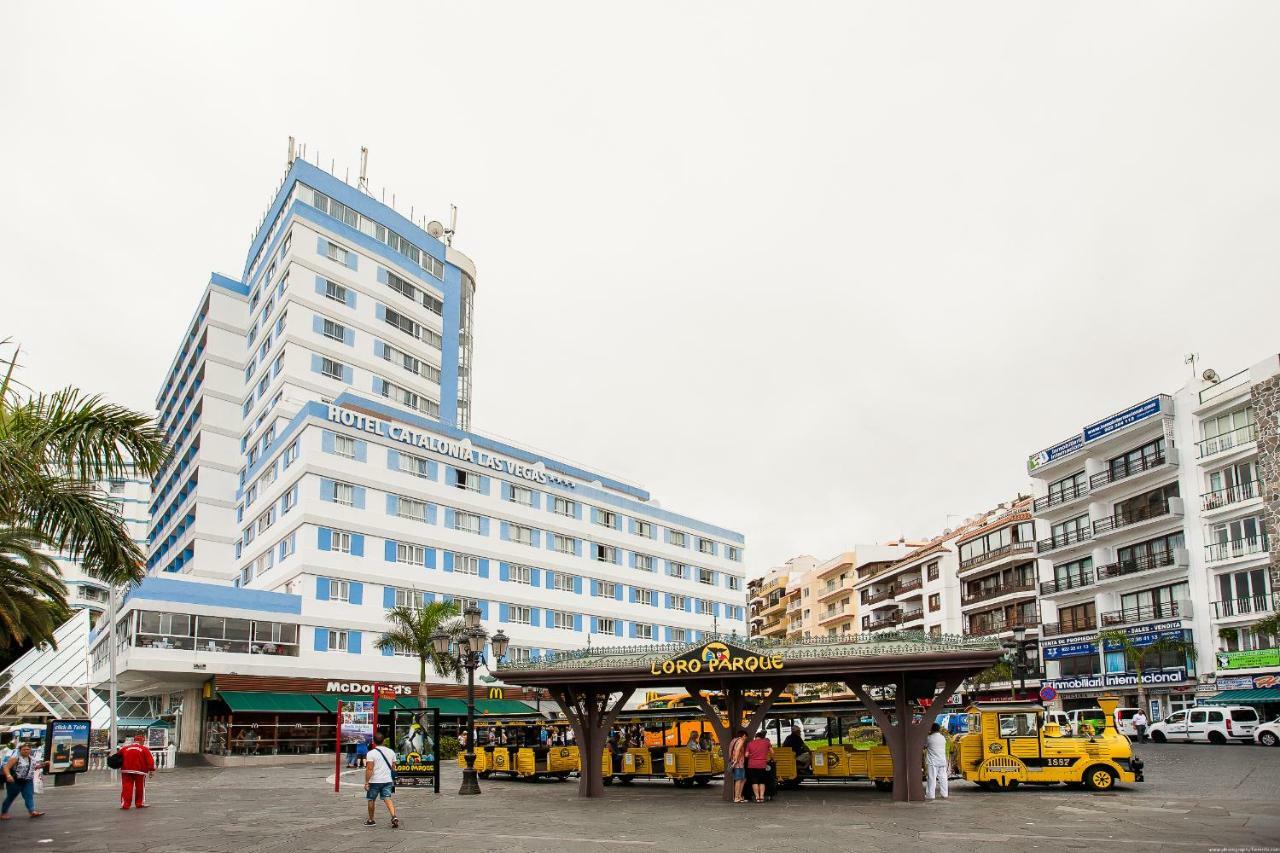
[{"x": 822, "y": 273}]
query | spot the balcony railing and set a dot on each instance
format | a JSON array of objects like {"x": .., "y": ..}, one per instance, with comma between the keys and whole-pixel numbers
[
  {"x": 1145, "y": 563},
  {"x": 986, "y": 629},
  {"x": 883, "y": 621},
  {"x": 1222, "y": 443},
  {"x": 1078, "y": 580},
  {"x": 998, "y": 553},
  {"x": 1264, "y": 604},
  {"x": 1050, "y": 629},
  {"x": 912, "y": 615},
  {"x": 1065, "y": 496},
  {"x": 1221, "y": 387},
  {"x": 1062, "y": 540},
  {"x": 835, "y": 613},
  {"x": 908, "y": 584},
  {"x": 1219, "y": 498},
  {"x": 1124, "y": 470},
  {"x": 883, "y": 595},
  {"x": 1243, "y": 547},
  {"x": 1145, "y": 613},
  {"x": 996, "y": 592},
  {"x": 1127, "y": 518}
]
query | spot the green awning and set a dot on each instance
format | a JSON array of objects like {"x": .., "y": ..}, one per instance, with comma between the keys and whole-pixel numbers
[
  {"x": 240, "y": 702},
  {"x": 159, "y": 724},
  {"x": 505, "y": 707},
  {"x": 1245, "y": 697},
  {"x": 446, "y": 707}
]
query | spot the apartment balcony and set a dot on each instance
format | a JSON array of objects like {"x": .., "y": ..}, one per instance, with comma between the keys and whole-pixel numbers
[
  {"x": 1080, "y": 580},
  {"x": 1130, "y": 473},
  {"x": 908, "y": 584},
  {"x": 1137, "y": 615},
  {"x": 835, "y": 615},
  {"x": 910, "y": 616},
  {"x": 1221, "y": 499},
  {"x": 1257, "y": 605},
  {"x": 878, "y": 621},
  {"x": 1060, "y": 500},
  {"x": 834, "y": 590},
  {"x": 1010, "y": 550},
  {"x": 793, "y": 606},
  {"x": 1237, "y": 549},
  {"x": 877, "y": 597},
  {"x": 1064, "y": 541},
  {"x": 1149, "y": 514},
  {"x": 997, "y": 592},
  {"x": 1241, "y": 438},
  {"x": 1053, "y": 629},
  {"x": 1175, "y": 559},
  {"x": 987, "y": 629}
]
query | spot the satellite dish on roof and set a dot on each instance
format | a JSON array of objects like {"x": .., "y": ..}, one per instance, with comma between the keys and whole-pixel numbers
[
  {"x": 1210, "y": 375},
  {"x": 435, "y": 229}
]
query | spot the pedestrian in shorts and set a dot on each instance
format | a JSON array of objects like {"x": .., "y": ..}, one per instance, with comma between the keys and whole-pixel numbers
[{"x": 379, "y": 780}]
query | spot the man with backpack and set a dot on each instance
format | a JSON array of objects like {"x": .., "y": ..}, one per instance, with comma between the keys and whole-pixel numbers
[
  {"x": 136, "y": 764},
  {"x": 379, "y": 779}
]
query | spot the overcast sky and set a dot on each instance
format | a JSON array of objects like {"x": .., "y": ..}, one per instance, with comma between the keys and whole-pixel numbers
[{"x": 821, "y": 273}]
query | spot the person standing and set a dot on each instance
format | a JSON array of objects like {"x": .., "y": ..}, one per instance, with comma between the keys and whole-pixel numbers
[
  {"x": 1140, "y": 725},
  {"x": 379, "y": 780},
  {"x": 759, "y": 754},
  {"x": 738, "y": 763},
  {"x": 935, "y": 763},
  {"x": 20, "y": 780},
  {"x": 139, "y": 766},
  {"x": 362, "y": 751}
]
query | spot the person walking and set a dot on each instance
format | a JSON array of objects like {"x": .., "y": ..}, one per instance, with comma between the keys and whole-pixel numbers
[
  {"x": 362, "y": 751},
  {"x": 20, "y": 781},
  {"x": 738, "y": 763},
  {"x": 139, "y": 766},
  {"x": 379, "y": 779},
  {"x": 1140, "y": 725},
  {"x": 935, "y": 763},
  {"x": 759, "y": 754}
]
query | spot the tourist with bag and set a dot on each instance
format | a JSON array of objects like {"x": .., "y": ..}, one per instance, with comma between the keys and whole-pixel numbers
[
  {"x": 380, "y": 779},
  {"x": 20, "y": 773}
]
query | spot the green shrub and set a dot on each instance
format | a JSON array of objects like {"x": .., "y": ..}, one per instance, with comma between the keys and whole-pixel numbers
[{"x": 448, "y": 749}]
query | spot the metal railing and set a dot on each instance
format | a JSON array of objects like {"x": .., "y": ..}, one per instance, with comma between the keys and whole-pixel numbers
[
  {"x": 1219, "y": 498},
  {"x": 985, "y": 629},
  {"x": 1122, "y": 470},
  {"x": 1232, "y": 382},
  {"x": 1242, "y": 547},
  {"x": 894, "y": 618},
  {"x": 1220, "y": 443},
  {"x": 909, "y": 584},
  {"x": 883, "y": 595},
  {"x": 912, "y": 615},
  {"x": 1265, "y": 604},
  {"x": 1077, "y": 580},
  {"x": 1062, "y": 540},
  {"x": 1145, "y": 613},
  {"x": 1145, "y": 563},
  {"x": 997, "y": 591},
  {"x": 1126, "y": 518},
  {"x": 1051, "y": 629},
  {"x": 998, "y": 553},
  {"x": 1078, "y": 490}
]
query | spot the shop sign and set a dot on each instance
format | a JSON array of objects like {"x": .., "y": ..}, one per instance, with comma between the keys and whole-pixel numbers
[
  {"x": 1119, "y": 679},
  {"x": 1207, "y": 688},
  {"x": 1068, "y": 650},
  {"x": 1233, "y": 682},
  {"x": 1265, "y": 682},
  {"x": 67, "y": 745},
  {"x": 1120, "y": 420},
  {"x": 1058, "y": 451},
  {"x": 1145, "y": 635},
  {"x": 367, "y": 687},
  {"x": 716, "y": 657},
  {"x": 1248, "y": 660}
]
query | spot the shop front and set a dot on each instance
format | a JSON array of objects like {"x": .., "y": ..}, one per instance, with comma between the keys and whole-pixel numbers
[{"x": 1260, "y": 691}]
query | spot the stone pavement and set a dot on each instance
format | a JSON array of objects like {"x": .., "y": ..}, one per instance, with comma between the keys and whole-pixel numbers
[{"x": 1198, "y": 798}]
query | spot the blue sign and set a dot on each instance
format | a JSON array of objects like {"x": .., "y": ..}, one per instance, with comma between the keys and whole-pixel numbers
[
  {"x": 1120, "y": 420},
  {"x": 1068, "y": 650},
  {"x": 1047, "y": 693},
  {"x": 1059, "y": 450},
  {"x": 1147, "y": 635}
]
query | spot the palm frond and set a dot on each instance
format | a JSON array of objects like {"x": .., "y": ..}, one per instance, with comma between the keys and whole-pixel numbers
[{"x": 32, "y": 596}]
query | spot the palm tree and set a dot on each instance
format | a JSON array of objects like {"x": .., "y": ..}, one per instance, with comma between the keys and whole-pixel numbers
[
  {"x": 1139, "y": 654},
  {"x": 55, "y": 449},
  {"x": 411, "y": 630},
  {"x": 33, "y": 599}
]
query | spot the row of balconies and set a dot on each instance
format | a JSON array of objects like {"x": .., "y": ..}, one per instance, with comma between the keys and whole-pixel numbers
[
  {"x": 1217, "y": 552},
  {"x": 1104, "y": 527},
  {"x": 988, "y": 593},
  {"x": 998, "y": 554},
  {"x": 1113, "y": 618},
  {"x": 986, "y": 628}
]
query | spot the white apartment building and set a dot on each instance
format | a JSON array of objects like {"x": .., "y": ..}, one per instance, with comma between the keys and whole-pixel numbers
[{"x": 1153, "y": 521}]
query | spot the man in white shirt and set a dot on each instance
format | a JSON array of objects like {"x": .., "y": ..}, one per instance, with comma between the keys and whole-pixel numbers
[
  {"x": 1140, "y": 726},
  {"x": 935, "y": 763},
  {"x": 379, "y": 781}
]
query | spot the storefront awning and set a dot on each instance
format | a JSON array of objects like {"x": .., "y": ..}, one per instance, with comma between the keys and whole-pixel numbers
[
  {"x": 279, "y": 703},
  {"x": 506, "y": 707},
  {"x": 1245, "y": 697}
]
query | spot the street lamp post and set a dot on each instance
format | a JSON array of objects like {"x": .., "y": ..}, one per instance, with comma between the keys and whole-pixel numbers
[
  {"x": 469, "y": 654},
  {"x": 1019, "y": 647}
]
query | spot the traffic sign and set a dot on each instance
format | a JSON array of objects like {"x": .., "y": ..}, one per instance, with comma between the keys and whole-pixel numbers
[{"x": 1047, "y": 693}]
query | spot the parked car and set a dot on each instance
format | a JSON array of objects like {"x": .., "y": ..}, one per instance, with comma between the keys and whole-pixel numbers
[
  {"x": 815, "y": 728},
  {"x": 1268, "y": 734},
  {"x": 1216, "y": 724},
  {"x": 1124, "y": 721},
  {"x": 953, "y": 723}
]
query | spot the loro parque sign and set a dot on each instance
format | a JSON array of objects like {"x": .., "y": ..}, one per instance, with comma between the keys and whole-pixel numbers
[{"x": 716, "y": 657}]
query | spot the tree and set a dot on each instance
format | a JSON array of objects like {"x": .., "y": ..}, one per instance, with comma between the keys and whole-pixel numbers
[
  {"x": 411, "y": 630},
  {"x": 1269, "y": 626},
  {"x": 33, "y": 599},
  {"x": 1001, "y": 670},
  {"x": 1138, "y": 655}
]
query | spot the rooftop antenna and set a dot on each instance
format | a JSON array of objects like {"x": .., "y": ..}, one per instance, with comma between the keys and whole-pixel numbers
[
  {"x": 453, "y": 225},
  {"x": 363, "y": 186},
  {"x": 1191, "y": 359},
  {"x": 292, "y": 150}
]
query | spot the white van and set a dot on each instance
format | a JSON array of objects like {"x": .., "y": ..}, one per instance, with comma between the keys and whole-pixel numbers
[
  {"x": 1124, "y": 721},
  {"x": 1207, "y": 724}
]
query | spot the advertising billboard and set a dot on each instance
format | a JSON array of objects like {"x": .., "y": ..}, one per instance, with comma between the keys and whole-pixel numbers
[
  {"x": 415, "y": 733},
  {"x": 67, "y": 746}
]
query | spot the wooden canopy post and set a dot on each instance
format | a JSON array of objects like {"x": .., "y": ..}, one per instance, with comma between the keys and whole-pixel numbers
[
  {"x": 735, "y": 708},
  {"x": 591, "y": 715}
]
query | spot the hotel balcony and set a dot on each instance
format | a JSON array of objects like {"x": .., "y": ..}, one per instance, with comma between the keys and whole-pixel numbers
[
  {"x": 1063, "y": 541},
  {"x": 1053, "y": 629},
  {"x": 909, "y": 587},
  {"x": 1149, "y": 514},
  {"x": 1231, "y": 496},
  {"x": 1130, "y": 473},
  {"x": 1137, "y": 615},
  {"x": 835, "y": 615},
  {"x": 987, "y": 629},
  {"x": 910, "y": 616},
  {"x": 997, "y": 592},
  {"x": 1256, "y": 605},
  {"x": 831, "y": 590},
  {"x": 1237, "y": 549},
  {"x": 1062, "y": 500},
  {"x": 1011, "y": 550},
  {"x": 777, "y": 628},
  {"x": 1241, "y": 438},
  {"x": 1080, "y": 580},
  {"x": 877, "y": 621},
  {"x": 1175, "y": 559},
  {"x": 877, "y": 597}
]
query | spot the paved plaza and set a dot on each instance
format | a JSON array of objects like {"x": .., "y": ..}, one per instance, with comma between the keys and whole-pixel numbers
[{"x": 1198, "y": 798}]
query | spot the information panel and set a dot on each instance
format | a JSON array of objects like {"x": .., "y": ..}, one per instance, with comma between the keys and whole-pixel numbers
[
  {"x": 415, "y": 735},
  {"x": 67, "y": 746}
]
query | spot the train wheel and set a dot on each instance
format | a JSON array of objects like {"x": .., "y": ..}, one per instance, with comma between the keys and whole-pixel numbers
[{"x": 1100, "y": 778}]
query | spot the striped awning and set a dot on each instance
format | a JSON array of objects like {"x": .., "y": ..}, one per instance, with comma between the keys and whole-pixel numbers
[{"x": 1245, "y": 697}]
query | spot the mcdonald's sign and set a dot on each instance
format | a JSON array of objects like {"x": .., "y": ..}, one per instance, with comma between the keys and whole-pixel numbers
[{"x": 497, "y": 693}]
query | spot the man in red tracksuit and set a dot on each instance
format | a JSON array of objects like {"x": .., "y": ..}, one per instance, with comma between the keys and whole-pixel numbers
[{"x": 139, "y": 765}]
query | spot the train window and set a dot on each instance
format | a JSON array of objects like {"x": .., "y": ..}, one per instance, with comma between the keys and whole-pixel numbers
[{"x": 1018, "y": 725}]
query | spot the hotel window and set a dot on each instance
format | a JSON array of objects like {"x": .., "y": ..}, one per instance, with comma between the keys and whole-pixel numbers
[
  {"x": 605, "y": 626},
  {"x": 344, "y": 493},
  {"x": 519, "y": 654},
  {"x": 679, "y": 635},
  {"x": 290, "y": 454},
  {"x": 414, "y": 555},
  {"x": 676, "y": 537},
  {"x": 1080, "y": 617},
  {"x": 678, "y": 570},
  {"x": 466, "y": 480},
  {"x": 521, "y": 534},
  {"x": 466, "y": 564},
  {"x": 404, "y": 288},
  {"x": 520, "y": 574},
  {"x": 706, "y": 576},
  {"x": 414, "y": 465},
  {"x": 337, "y": 253},
  {"x": 563, "y": 582},
  {"x": 467, "y": 522},
  {"x": 412, "y": 364},
  {"x": 733, "y": 552},
  {"x": 344, "y": 445},
  {"x": 736, "y": 583},
  {"x": 564, "y": 506},
  {"x": 605, "y": 589},
  {"x": 706, "y": 608},
  {"x": 337, "y": 641},
  {"x": 518, "y": 614},
  {"x": 644, "y": 632},
  {"x": 336, "y": 331},
  {"x": 644, "y": 562},
  {"x": 935, "y": 602},
  {"x": 604, "y": 553},
  {"x": 341, "y": 542},
  {"x": 1072, "y": 575},
  {"x": 1069, "y": 531},
  {"x": 335, "y": 291},
  {"x": 267, "y": 519},
  {"x": 932, "y": 570},
  {"x": 339, "y": 591},
  {"x": 644, "y": 528},
  {"x": 563, "y": 544},
  {"x": 679, "y": 602},
  {"x": 644, "y": 596},
  {"x": 706, "y": 546},
  {"x": 1158, "y": 603},
  {"x": 1138, "y": 459},
  {"x": 410, "y": 399},
  {"x": 410, "y": 508},
  {"x": 606, "y": 518},
  {"x": 561, "y": 621},
  {"x": 288, "y": 546},
  {"x": 1156, "y": 552},
  {"x": 521, "y": 495},
  {"x": 1243, "y": 592},
  {"x": 1068, "y": 488}
]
